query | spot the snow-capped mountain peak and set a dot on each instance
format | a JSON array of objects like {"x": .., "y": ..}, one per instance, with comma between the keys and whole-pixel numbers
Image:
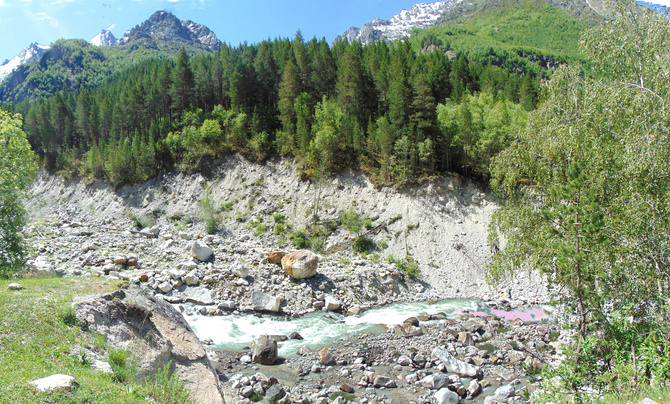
[
  {"x": 28, "y": 54},
  {"x": 400, "y": 25},
  {"x": 104, "y": 38}
]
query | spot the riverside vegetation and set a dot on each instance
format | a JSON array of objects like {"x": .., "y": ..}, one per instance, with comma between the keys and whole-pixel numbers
[{"x": 583, "y": 179}]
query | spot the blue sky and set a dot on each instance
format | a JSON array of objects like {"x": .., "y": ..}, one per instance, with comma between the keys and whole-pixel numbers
[{"x": 25, "y": 21}]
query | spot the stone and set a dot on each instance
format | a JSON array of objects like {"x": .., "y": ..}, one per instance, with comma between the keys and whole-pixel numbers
[
  {"x": 191, "y": 279},
  {"x": 144, "y": 278},
  {"x": 356, "y": 310},
  {"x": 239, "y": 269},
  {"x": 101, "y": 366},
  {"x": 446, "y": 396},
  {"x": 275, "y": 393},
  {"x": 155, "y": 334},
  {"x": 275, "y": 257},
  {"x": 295, "y": 335},
  {"x": 380, "y": 381},
  {"x": 326, "y": 357},
  {"x": 404, "y": 360},
  {"x": 43, "y": 267},
  {"x": 347, "y": 388},
  {"x": 176, "y": 273},
  {"x": 201, "y": 296},
  {"x": 264, "y": 302},
  {"x": 226, "y": 305},
  {"x": 502, "y": 393},
  {"x": 247, "y": 391},
  {"x": 300, "y": 264},
  {"x": 465, "y": 338},
  {"x": 200, "y": 251},
  {"x": 454, "y": 365},
  {"x": 120, "y": 260},
  {"x": 435, "y": 382},
  {"x": 245, "y": 359},
  {"x": 165, "y": 287},
  {"x": 55, "y": 383},
  {"x": 516, "y": 356},
  {"x": 474, "y": 389},
  {"x": 14, "y": 286},
  {"x": 331, "y": 303},
  {"x": 264, "y": 350},
  {"x": 132, "y": 262}
]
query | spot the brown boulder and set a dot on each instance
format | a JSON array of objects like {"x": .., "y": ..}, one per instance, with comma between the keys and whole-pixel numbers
[
  {"x": 275, "y": 257},
  {"x": 300, "y": 264},
  {"x": 264, "y": 350}
]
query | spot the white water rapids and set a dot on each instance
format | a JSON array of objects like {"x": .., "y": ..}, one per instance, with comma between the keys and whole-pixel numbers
[{"x": 232, "y": 332}]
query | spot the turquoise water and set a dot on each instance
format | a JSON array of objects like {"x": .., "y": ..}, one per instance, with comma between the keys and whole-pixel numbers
[{"x": 232, "y": 332}]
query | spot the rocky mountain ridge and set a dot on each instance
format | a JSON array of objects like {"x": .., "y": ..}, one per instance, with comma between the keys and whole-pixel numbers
[
  {"x": 164, "y": 27},
  {"x": 104, "y": 38},
  {"x": 421, "y": 15},
  {"x": 28, "y": 54}
]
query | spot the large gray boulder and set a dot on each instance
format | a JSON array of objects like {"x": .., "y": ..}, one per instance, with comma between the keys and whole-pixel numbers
[
  {"x": 264, "y": 350},
  {"x": 201, "y": 251},
  {"x": 300, "y": 264},
  {"x": 265, "y": 302},
  {"x": 446, "y": 396},
  {"x": 454, "y": 365},
  {"x": 155, "y": 333}
]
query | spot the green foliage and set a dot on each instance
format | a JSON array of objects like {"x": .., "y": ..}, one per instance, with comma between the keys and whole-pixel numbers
[
  {"x": 299, "y": 239},
  {"x": 168, "y": 388},
  {"x": 17, "y": 168},
  {"x": 124, "y": 371},
  {"x": 140, "y": 221},
  {"x": 585, "y": 191},
  {"x": 407, "y": 265},
  {"x": 208, "y": 213},
  {"x": 351, "y": 220},
  {"x": 363, "y": 245},
  {"x": 345, "y": 395}
]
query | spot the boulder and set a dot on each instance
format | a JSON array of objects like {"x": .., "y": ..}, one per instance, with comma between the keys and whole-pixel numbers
[
  {"x": 265, "y": 302},
  {"x": 331, "y": 303},
  {"x": 465, "y": 338},
  {"x": 201, "y": 251},
  {"x": 453, "y": 365},
  {"x": 275, "y": 257},
  {"x": 326, "y": 357},
  {"x": 101, "y": 366},
  {"x": 120, "y": 260},
  {"x": 446, "y": 396},
  {"x": 154, "y": 333},
  {"x": 55, "y": 383},
  {"x": 264, "y": 350},
  {"x": 275, "y": 393},
  {"x": 191, "y": 279},
  {"x": 300, "y": 264},
  {"x": 14, "y": 286},
  {"x": 201, "y": 296}
]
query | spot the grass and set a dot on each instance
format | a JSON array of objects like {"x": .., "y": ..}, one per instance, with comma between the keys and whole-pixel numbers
[{"x": 39, "y": 337}]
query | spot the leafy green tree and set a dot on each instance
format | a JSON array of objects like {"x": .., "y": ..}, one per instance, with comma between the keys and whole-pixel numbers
[{"x": 17, "y": 168}]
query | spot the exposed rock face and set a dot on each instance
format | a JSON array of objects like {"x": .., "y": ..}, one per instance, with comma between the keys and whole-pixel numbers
[
  {"x": 30, "y": 53},
  {"x": 55, "y": 382},
  {"x": 400, "y": 25},
  {"x": 104, "y": 38},
  {"x": 163, "y": 26},
  {"x": 300, "y": 264},
  {"x": 264, "y": 350},
  {"x": 155, "y": 334}
]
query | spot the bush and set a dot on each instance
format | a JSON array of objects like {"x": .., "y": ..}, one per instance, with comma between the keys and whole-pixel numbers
[
  {"x": 167, "y": 388},
  {"x": 407, "y": 265},
  {"x": 299, "y": 240},
  {"x": 363, "y": 245},
  {"x": 139, "y": 221}
]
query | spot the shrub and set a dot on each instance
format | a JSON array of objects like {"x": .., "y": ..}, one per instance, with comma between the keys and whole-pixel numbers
[
  {"x": 407, "y": 265},
  {"x": 363, "y": 244},
  {"x": 299, "y": 239}
]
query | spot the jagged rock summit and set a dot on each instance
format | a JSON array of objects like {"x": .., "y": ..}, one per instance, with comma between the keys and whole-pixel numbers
[
  {"x": 421, "y": 15},
  {"x": 164, "y": 26},
  {"x": 104, "y": 38},
  {"x": 28, "y": 54}
]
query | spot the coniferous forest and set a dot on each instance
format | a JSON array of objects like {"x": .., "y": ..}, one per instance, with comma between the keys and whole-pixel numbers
[{"x": 394, "y": 112}]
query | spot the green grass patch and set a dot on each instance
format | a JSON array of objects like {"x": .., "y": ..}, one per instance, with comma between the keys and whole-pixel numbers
[{"x": 39, "y": 337}]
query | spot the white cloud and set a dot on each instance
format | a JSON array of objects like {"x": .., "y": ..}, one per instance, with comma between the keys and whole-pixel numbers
[
  {"x": 42, "y": 17},
  {"x": 111, "y": 27},
  {"x": 3, "y": 3},
  {"x": 173, "y": 1}
]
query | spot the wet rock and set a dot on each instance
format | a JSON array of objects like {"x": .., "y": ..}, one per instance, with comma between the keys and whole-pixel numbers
[
  {"x": 295, "y": 335},
  {"x": 264, "y": 350},
  {"x": 201, "y": 251},
  {"x": 56, "y": 382},
  {"x": 300, "y": 264}
]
